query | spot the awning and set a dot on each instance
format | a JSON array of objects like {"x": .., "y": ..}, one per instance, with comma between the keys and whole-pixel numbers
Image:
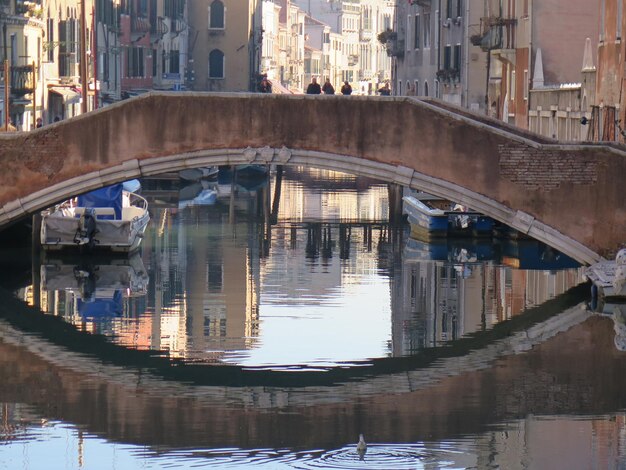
[
  {"x": 69, "y": 96},
  {"x": 279, "y": 89}
]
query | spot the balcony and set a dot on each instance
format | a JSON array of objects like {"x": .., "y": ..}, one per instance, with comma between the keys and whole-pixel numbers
[
  {"x": 158, "y": 28},
  {"x": 496, "y": 33},
  {"x": 140, "y": 25},
  {"x": 448, "y": 76},
  {"x": 22, "y": 80},
  {"x": 366, "y": 35}
]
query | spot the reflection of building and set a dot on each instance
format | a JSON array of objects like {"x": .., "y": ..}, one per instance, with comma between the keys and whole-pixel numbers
[
  {"x": 438, "y": 301},
  {"x": 205, "y": 290}
]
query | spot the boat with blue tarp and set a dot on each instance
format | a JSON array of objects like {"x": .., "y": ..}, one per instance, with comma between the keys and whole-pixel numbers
[{"x": 107, "y": 218}]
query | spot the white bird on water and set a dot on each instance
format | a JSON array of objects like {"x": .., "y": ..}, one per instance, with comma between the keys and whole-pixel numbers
[{"x": 361, "y": 447}]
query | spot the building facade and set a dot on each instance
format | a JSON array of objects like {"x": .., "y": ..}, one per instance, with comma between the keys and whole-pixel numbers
[
  {"x": 225, "y": 44},
  {"x": 608, "y": 119}
]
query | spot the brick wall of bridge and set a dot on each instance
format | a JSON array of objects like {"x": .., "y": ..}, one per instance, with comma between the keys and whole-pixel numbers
[{"x": 577, "y": 190}]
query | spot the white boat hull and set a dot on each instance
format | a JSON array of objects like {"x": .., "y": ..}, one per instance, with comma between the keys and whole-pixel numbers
[{"x": 59, "y": 228}]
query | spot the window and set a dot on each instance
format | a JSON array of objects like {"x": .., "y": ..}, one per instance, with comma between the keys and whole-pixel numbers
[
  {"x": 216, "y": 15},
  {"x": 449, "y": 11},
  {"x": 409, "y": 29},
  {"x": 174, "y": 8},
  {"x": 367, "y": 18},
  {"x": 67, "y": 59},
  {"x": 458, "y": 8},
  {"x": 437, "y": 20},
  {"x": 512, "y": 87},
  {"x": 135, "y": 62},
  {"x": 174, "y": 57},
  {"x": 426, "y": 30},
  {"x": 619, "y": 21},
  {"x": 602, "y": 19},
  {"x": 416, "y": 85},
  {"x": 526, "y": 85},
  {"x": 50, "y": 37},
  {"x": 425, "y": 88},
  {"x": 447, "y": 56},
  {"x": 216, "y": 64},
  {"x": 417, "y": 35},
  {"x": 457, "y": 57}
]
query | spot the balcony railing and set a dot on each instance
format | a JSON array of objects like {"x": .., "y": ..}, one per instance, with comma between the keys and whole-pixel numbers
[
  {"x": 495, "y": 33},
  {"x": 158, "y": 27},
  {"x": 22, "y": 79},
  {"x": 140, "y": 24}
]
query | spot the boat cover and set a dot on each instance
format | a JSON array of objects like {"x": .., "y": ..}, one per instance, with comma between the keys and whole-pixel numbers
[
  {"x": 110, "y": 196},
  {"x": 101, "y": 308}
]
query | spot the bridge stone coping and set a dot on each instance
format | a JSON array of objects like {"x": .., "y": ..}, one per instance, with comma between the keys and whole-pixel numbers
[{"x": 569, "y": 196}]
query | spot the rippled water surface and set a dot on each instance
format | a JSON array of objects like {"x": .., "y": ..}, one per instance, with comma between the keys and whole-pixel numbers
[{"x": 269, "y": 322}]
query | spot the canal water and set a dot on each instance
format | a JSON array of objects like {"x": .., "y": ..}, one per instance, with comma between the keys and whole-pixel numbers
[{"x": 270, "y": 321}]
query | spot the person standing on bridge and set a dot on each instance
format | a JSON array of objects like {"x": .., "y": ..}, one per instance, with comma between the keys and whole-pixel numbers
[
  {"x": 328, "y": 88},
  {"x": 314, "y": 88},
  {"x": 385, "y": 90},
  {"x": 346, "y": 89},
  {"x": 265, "y": 86}
]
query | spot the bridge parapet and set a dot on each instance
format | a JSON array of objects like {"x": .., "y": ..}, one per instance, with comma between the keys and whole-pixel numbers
[{"x": 569, "y": 195}]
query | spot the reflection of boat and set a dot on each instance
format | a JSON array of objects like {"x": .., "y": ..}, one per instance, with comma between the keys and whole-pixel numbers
[
  {"x": 200, "y": 193},
  {"x": 205, "y": 197},
  {"x": 246, "y": 172},
  {"x": 429, "y": 221},
  {"x": 197, "y": 174},
  {"x": 98, "y": 285},
  {"x": 105, "y": 218},
  {"x": 519, "y": 254},
  {"x": 609, "y": 276},
  {"x": 461, "y": 250},
  {"x": 245, "y": 179},
  {"x": 532, "y": 254}
]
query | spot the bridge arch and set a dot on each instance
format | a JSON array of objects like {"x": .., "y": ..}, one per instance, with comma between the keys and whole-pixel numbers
[
  {"x": 569, "y": 196},
  {"x": 388, "y": 173}
]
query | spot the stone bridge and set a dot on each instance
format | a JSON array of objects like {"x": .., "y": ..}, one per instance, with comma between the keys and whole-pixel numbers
[{"x": 570, "y": 196}]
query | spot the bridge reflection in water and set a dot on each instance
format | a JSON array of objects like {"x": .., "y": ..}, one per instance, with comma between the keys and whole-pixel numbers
[{"x": 217, "y": 276}]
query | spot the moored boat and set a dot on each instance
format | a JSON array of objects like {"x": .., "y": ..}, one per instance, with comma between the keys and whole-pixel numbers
[
  {"x": 429, "y": 221},
  {"x": 108, "y": 218}
]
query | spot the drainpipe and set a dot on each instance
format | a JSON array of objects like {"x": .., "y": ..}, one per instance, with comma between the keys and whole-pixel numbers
[
  {"x": 438, "y": 90},
  {"x": 94, "y": 54},
  {"x": 83, "y": 57},
  {"x": 4, "y": 41},
  {"x": 467, "y": 45},
  {"x": 530, "y": 60}
]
